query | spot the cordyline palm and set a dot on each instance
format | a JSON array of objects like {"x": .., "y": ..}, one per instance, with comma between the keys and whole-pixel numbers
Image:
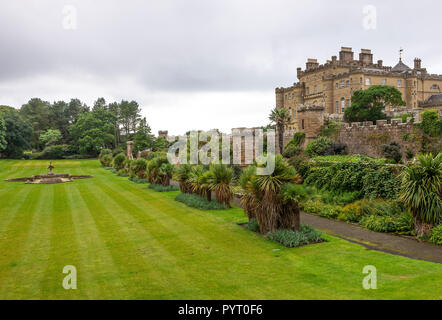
[
  {"x": 165, "y": 173},
  {"x": 182, "y": 175},
  {"x": 200, "y": 182},
  {"x": 250, "y": 193},
  {"x": 421, "y": 190},
  {"x": 262, "y": 197},
  {"x": 281, "y": 117},
  {"x": 221, "y": 183}
]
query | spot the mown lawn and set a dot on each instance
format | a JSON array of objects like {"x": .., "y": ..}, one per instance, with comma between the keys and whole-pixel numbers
[{"x": 128, "y": 242}]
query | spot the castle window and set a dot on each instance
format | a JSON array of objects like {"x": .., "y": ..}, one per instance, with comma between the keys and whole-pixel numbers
[
  {"x": 337, "y": 85},
  {"x": 302, "y": 124},
  {"x": 348, "y": 103},
  {"x": 384, "y": 82},
  {"x": 360, "y": 80},
  {"x": 337, "y": 106},
  {"x": 399, "y": 83},
  {"x": 343, "y": 84},
  {"x": 342, "y": 105},
  {"x": 434, "y": 87},
  {"x": 347, "y": 84},
  {"x": 367, "y": 81}
]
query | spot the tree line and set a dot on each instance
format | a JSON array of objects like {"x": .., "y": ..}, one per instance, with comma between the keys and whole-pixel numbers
[{"x": 40, "y": 129}]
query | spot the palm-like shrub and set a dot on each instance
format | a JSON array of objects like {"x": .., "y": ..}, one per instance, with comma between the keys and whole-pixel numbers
[
  {"x": 159, "y": 171},
  {"x": 138, "y": 167},
  {"x": 182, "y": 175},
  {"x": 421, "y": 191},
  {"x": 200, "y": 181},
  {"x": 267, "y": 199},
  {"x": 221, "y": 183},
  {"x": 119, "y": 161}
]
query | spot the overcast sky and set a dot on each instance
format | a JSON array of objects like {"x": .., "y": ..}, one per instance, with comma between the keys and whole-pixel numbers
[{"x": 195, "y": 64}]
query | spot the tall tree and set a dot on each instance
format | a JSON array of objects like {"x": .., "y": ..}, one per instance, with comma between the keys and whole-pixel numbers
[
  {"x": 74, "y": 109},
  {"x": 130, "y": 114},
  {"x": 18, "y": 132},
  {"x": 100, "y": 103},
  {"x": 3, "y": 142},
  {"x": 93, "y": 131},
  {"x": 58, "y": 118},
  {"x": 280, "y": 117},
  {"x": 368, "y": 105},
  {"x": 143, "y": 139},
  {"x": 36, "y": 112}
]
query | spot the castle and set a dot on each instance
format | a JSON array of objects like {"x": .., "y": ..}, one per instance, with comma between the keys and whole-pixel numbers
[{"x": 325, "y": 91}]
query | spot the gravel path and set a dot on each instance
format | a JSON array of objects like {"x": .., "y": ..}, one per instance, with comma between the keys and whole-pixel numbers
[{"x": 374, "y": 240}]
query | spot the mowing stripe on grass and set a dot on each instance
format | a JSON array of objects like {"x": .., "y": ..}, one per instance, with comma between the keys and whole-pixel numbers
[
  {"x": 133, "y": 268},
  {"x": 99, "y": 274},
  {"x": 64, "y": 248},
  {"x": 14, "y": 238},
  {"x": 27, "y": 275}
]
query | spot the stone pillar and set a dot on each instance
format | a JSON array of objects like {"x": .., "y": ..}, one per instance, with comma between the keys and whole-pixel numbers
[{"x": 130, "y": 148}]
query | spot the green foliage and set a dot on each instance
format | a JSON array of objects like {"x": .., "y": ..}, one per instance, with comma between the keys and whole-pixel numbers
[
  {"x": 105, "y": 157},
  {"x": 36, "y": 112},
  {"x": 401, "y": 224},
  {"x": 430, "y": 124},
  {"x": 436, "y": 235},
  {"x": 348, "y": 158},
  {"x": 221, "y": 178},
  {"x": 319, "y": 146},
  {"x": 182, "y": 175},
  {"x": 421, "y": 189},
  {"x": 331, "y": 130},
  {"x": 301, "y": 164},
  {"x": 294, "y": 239},
  {"x": 161, "y": 188},
  {"x": 139, "y": 167},
  {"x": 50, "y": 137},
  {"x": 392, "y": 152},
  {"x": 339, "y": 197},
  {"x": 94, "y": 131},
  {"x": 18, "y": 133},
  {"x": 123, "y": 172},
  {"x": 3, "y": 142},
  {"x": 280, "y": 117},
  {"x": 143, "y": 139},
  {"x": 294, "y": 147},
  {"x": 119, "y": 161},
  {"x": 159, "y": 170},
  {"x": 404, "y": 117},
  {"x": 324, "y": 210},
  {"x": 367, "y": 105},
  {"x": 138, "y": 180},
  {"x": 195, "y": 201},
  {"x": 53, "y": 152},
  {"x": 372, "y": 179},
  {"x": 253, "y": 225}
]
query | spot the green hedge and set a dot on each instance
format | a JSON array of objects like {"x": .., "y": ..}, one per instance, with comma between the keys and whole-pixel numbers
[
  {"x": 161, "y": 188},
  {"x": 436, "y": 235},
  {"x": 293, "y": 239},
  {"x": 195, "y": 201}
]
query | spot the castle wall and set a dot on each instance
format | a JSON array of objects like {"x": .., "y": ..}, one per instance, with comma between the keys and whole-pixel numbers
[{"x": 367, "y": 138}]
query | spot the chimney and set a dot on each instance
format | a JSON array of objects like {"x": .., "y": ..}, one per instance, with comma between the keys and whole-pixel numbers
[
  {"x": 299, "y": 72},
  {"x": 311, "y": 64},
  {"x": 346, "y": 54},
  {"x": 380, "y": 63},
  {"x": 417, "y": 64},
  {"x": 366, "y": 57}
]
